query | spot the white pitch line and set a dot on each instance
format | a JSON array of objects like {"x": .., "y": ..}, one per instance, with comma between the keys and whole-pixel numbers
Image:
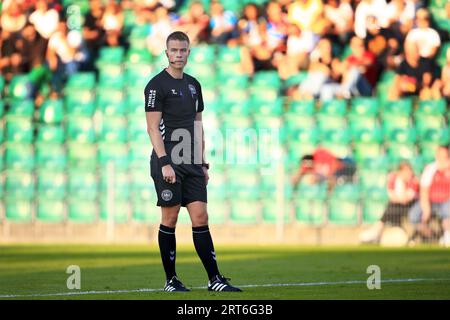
[{"x": 301, "y": 284}]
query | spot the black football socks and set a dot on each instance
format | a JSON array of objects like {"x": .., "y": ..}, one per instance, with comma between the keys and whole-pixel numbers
[
  {"x": 167, "y": 247},
  {"x": 205, "y": 249}
]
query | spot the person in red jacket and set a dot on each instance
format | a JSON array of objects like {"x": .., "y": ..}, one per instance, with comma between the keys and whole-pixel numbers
[{"x": 434, "y": 196}]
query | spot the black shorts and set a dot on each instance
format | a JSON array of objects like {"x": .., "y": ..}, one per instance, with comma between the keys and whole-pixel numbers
[{"x": 190, "y": 184}]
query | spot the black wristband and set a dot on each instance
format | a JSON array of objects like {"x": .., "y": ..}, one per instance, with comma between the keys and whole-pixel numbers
[
  {"x": 206, "y": 165},
  {"x": 164, "y": 160}
]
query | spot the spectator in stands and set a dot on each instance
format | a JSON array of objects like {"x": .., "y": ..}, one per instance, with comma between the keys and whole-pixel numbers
[
  {"x": 445, "y": 77},
  {"x": 112, "y": 22},
  {"x": 222, "y": 24},
  {"x": 274, "y": 33},
  {"x": 307, "y": 15},
  {"x": 358, "y": 73},
  {"x": 320, "y": 71},
  {"x": 10, "y": 59},
  {"x": 366, "y": 9},
  {"x": 305, "y": 172},
  {"x": 325, "y": 167},
  {"x": 13, "y": 18},
  {"x": 415, "y": 76},
  {"x": 44, "y": 19},
  {"x": 249, "y": 26},
  {"x": 195, "y": 23},
  {"x": 400, "y": 11},
  {"x": 339, "y": 16},
  {"x": 391, "y": 56},
  {"x": 403, "y": 191},
  {"x": 423, "y": 36},
  {"x": 160, "y": 30},
  {"x": 299, "y": 46},
  {"x": 434, "y": 196},
  {"x": 61, "y": 57},
  {"x": 93, "y": 32}
]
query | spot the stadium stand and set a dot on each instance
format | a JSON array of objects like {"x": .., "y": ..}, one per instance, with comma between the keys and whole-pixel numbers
[{"x": 56, "y": 145}]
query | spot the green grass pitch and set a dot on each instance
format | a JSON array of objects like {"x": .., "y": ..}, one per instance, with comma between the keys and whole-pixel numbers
[{"x": 264, "y": 272}]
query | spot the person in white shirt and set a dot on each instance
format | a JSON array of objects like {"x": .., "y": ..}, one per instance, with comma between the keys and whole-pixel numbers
[
  {"x": 366, "y": 9},
  {"x": 427, "y": 39},
  {"x": 45, "y": 20}
]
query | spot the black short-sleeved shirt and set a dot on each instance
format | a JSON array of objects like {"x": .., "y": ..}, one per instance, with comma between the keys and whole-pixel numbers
[
  {"x": 179, "y": 100},
  {"x": 414, "y": 74}
]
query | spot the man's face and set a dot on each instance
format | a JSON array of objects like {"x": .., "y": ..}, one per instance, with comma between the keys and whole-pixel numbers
[{"x": 177, "y": 52}]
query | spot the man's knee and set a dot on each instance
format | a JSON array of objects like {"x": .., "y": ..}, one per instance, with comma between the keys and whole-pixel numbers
[{"x": 169, "y": 216}]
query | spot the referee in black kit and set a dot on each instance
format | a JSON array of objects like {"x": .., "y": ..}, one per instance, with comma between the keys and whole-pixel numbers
[{"x": 173, "y": 106}]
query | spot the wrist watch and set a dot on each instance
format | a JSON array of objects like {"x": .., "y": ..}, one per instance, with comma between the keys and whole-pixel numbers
[{"x": 206, "y": 165}]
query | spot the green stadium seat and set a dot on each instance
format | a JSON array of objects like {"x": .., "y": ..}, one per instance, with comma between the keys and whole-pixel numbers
[
  {"x": 141, "y": 186},
  {"x": 19, "y": 129},
  {"x": 134, "y": 105},
  {"x": 121, "y": 186},
  {"x": 229, "y": 54},
  {"x": 367, "y": 135},
  {"x": 334, "y": 108},
  {"x": 310, "y": 205},
  {"x": 363, "y": 123},
  {"x": 364, "y": 106},
  {"x": 110, "y": 78},
  {"x": 335, "y": 136},
  {"x": 111, "y": 102},
  {"x": 403, "y": 106},
  {"x": 244, "y": 183},
  {"x": 308, "y": 135},
  {"x": 370, "y": 178},
  {"x": 344, "y": 205},
  {"x": 245, "y": 211},
  {"x": 402, "y": 151},
  {"x": 217, "y": 186},
  {"x": 263, "y": 106},
  {"x": 296, "y": 79},
  {"x": 202, "y": 54},
  {"x": 51, "y": 184},
  {"x": 80, "y": 129},
  {"x": 146, "y": 211},
  {"x": 82, "y": 155},
  {"x": 270, "y": 211},
  {"x": 83, "y": 184},
  {"x": 50, "y": 133},
  {"x": 136, "y": 130},
  {"x": 235, "y": 81},
  {"x": 340, "y": 150},
  {"x": 293, "y": 122},
  {"x": 113, "y": 152},
  {"x": 111, "y": 55},
  {"x": 218, "y": 211},
  {"x": 113, "y": 129},
  {"x": 431, "y": 107},
  {"x": 2, "y": 85},
  {"x": 233, "y": 122},
  {"x": 327, "y": 122},
  {"x": 425, "y": 122},
  {"x": 81, "y": 80},
  {"x": 19, "y": 184},
  {"x": 50, "y": 210},
  {"x": 433, "y": 135},
  {"x": 136, "y": 56},
  {"x": 121, "y": 210},
  {"x": 237, "y": 107},
  {"x": 297, "y": 149},
  {"x": 269, "y": 125},
  {"x": 408, "y": 135},
  {"x": 204, "y": 73},
  {"x": 21, "y": 107},
  {"x": 51, "y": 111},
  {"x": 267, "y": 79},
  {"x": 19, "y": 156},
  {"x": 80, "y": 103},
  {"x": 20, "y": 87},
  {"x": 138, "y": 75},
  {"x": 301, "y": 107},
  {"x": 2, "y": 107},
  {"x": 82, "y": 210},
  {"x": 139, "y": 154},
  {"x": 373, "y": 205},
  {"x": 18, "y": 210},
  {"x": 50, "y": 155}
]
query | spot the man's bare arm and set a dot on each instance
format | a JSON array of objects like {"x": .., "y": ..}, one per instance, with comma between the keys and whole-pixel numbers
[{"x": 153, "y": 121}]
